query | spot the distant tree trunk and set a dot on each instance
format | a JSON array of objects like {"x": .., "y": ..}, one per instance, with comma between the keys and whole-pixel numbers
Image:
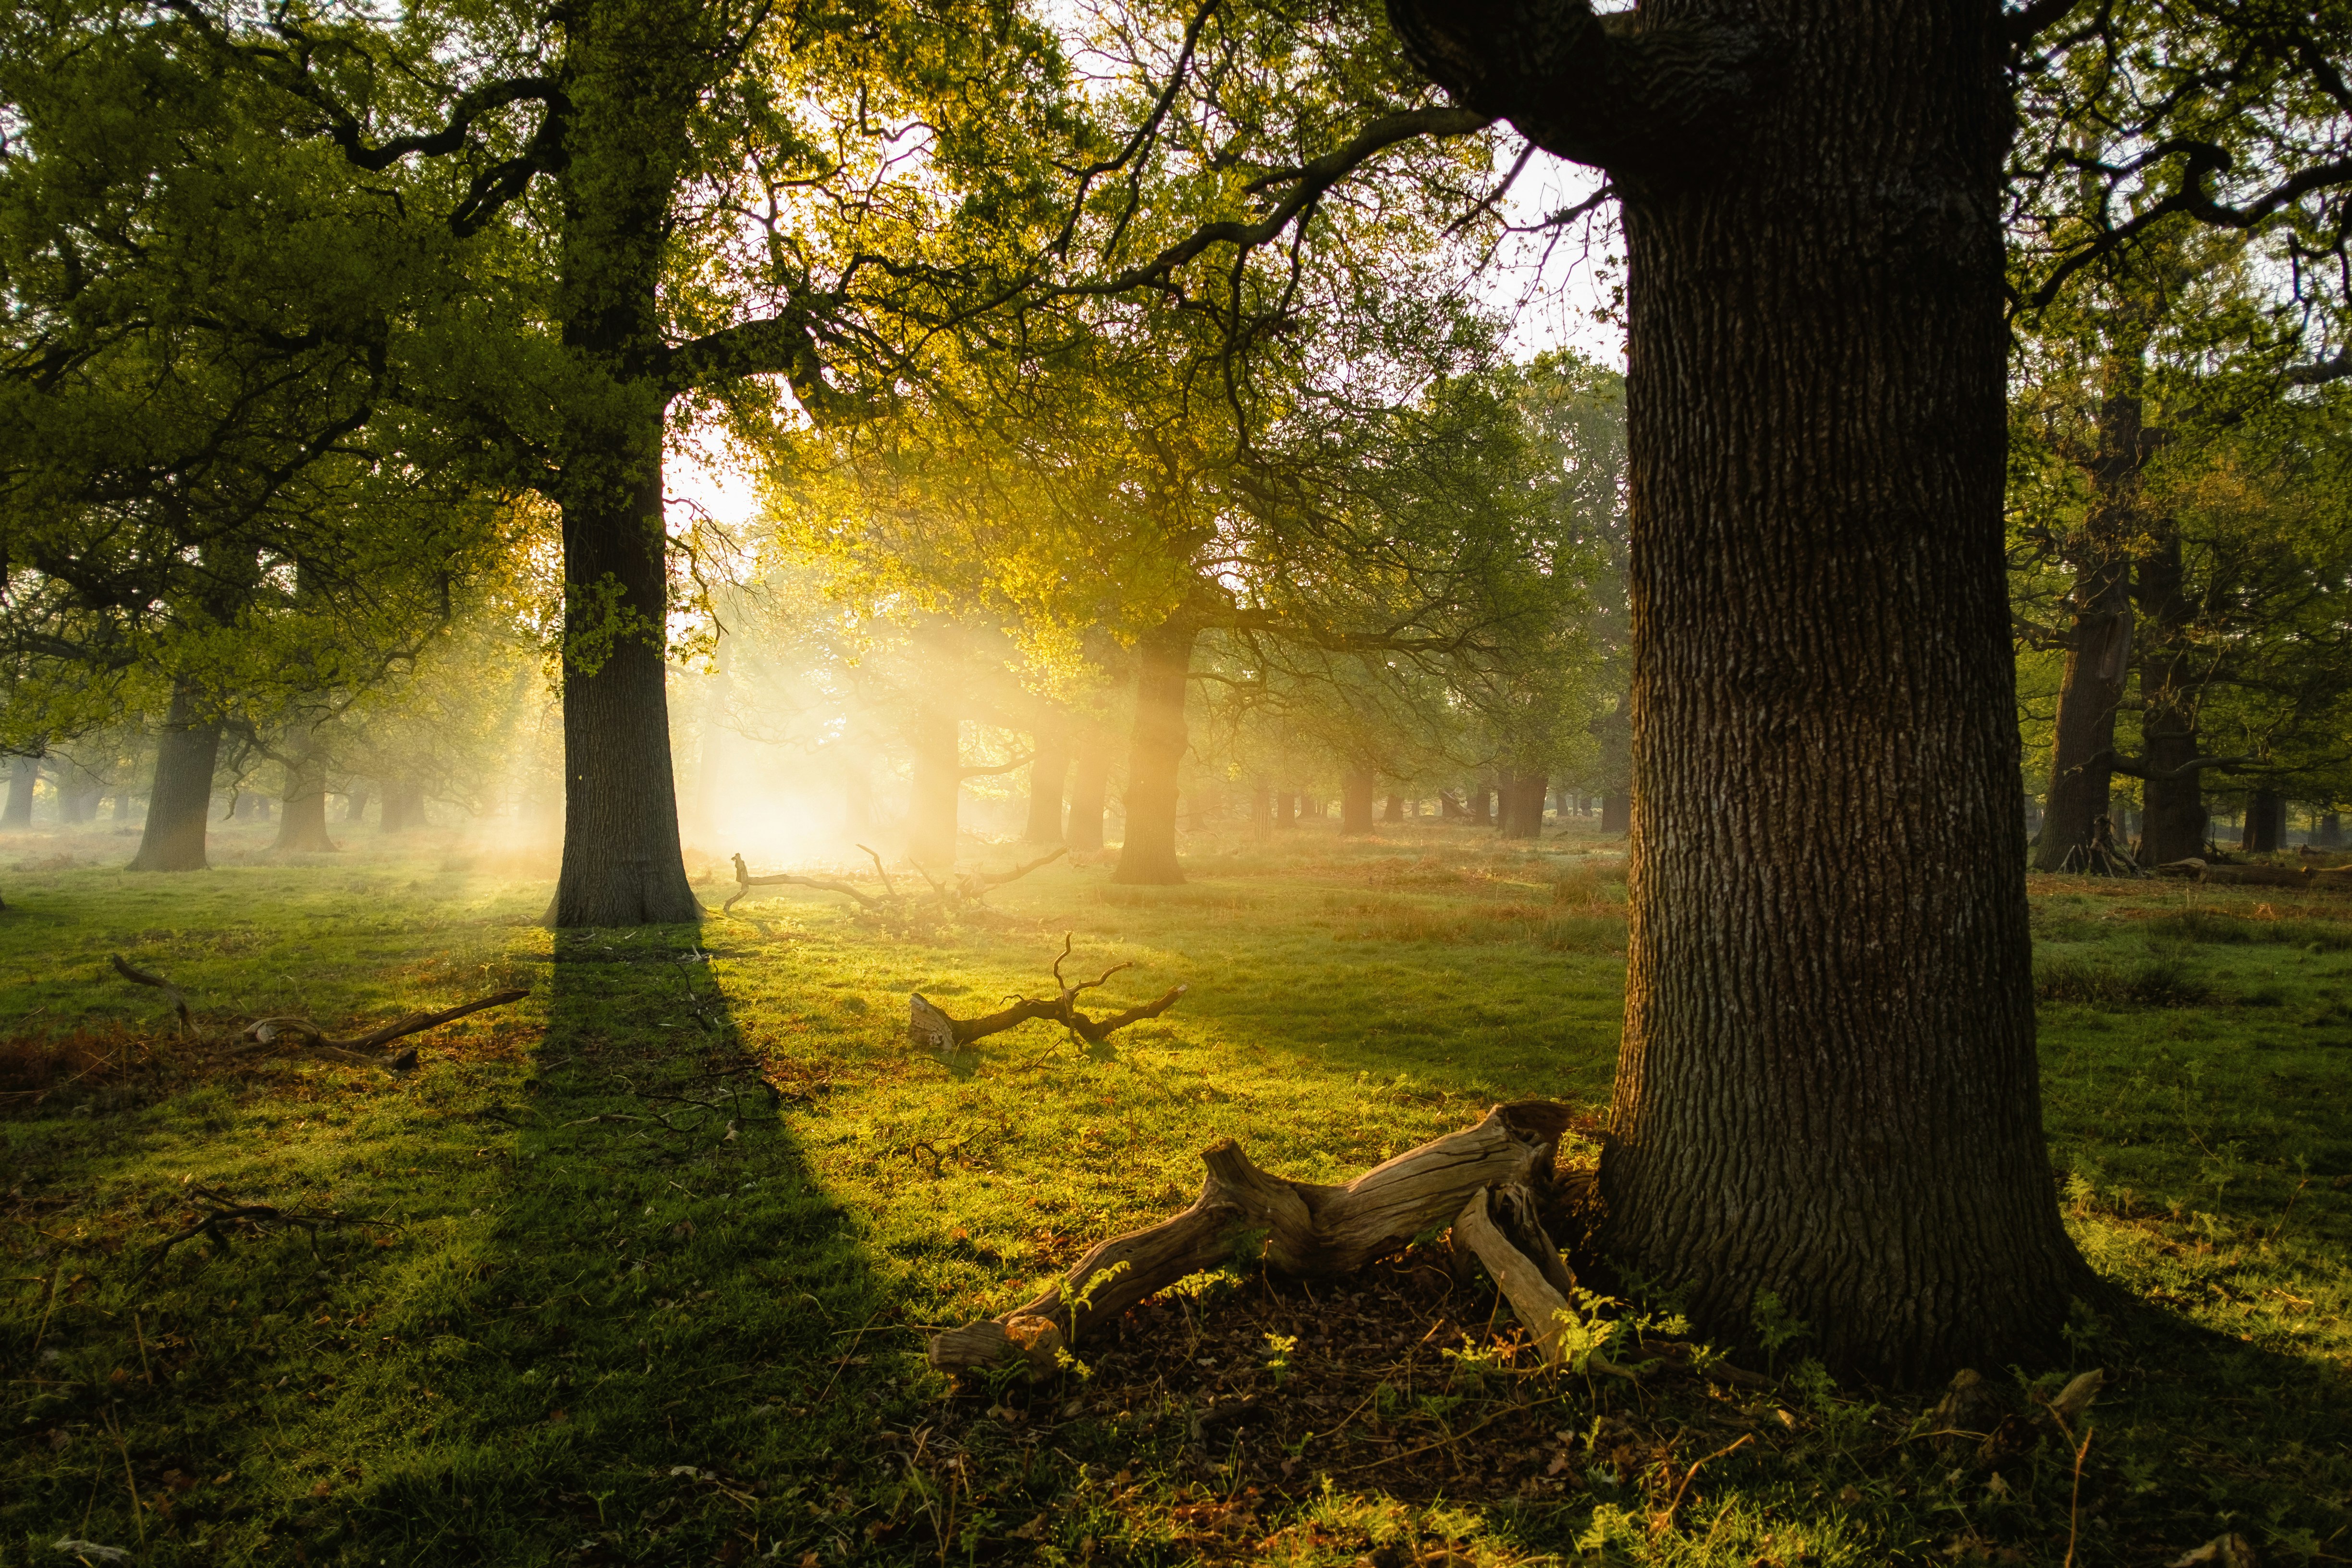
[
  {"x": 936, "y": 787},
  {"x": 1048, "y": 769},
  {"x": 257, "y": 807},
  {"x": 1089, "y": 792},
  {"x": 1450, "y": 809},
  {"x": 1523, "y": 804},
  {"x": 2328, "y": 834},
  {"x": 355, "y": 804},
  {"x": 120, "y": 811},
  {"x": 404, "y": 808},
  {"x": 303, "y": 825},
  {"x": 1482, "y": 805},
  {"x": 2265, "y": 829},
  {"x": 1392, "y": 808},
  {"x": 187, "y": 750},
  {"x": 1617, "y": 812},
  {"x": 1261, "y": 807},
  {"x": 2099, "y": 637},
  {"x": 1287, "y": 806},
  {"x": 1357, "y": 789},
  {"x": 23, "y": 777},
  {"x": 1149, "y": 854},
  {"x": 713, "y": 739}
]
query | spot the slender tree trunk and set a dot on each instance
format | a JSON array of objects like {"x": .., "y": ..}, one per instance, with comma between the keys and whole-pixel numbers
[
  {"x": 1827, "y": 1088},
  {"x": 1048, "y": 770},
  {"x": 935, "y": 786},
  {"x": 634, "y": 75},
  {"x": 302, "y": 826},
  {"x": 187, "y": 749},
  {"x": 2175, "y": 824},
  {"x": 1262, "y": 809},
  {"x": 1358, "y": 788},
  {"x": 1147, "y": 853},
  {"x": 23, "y": 777},
  {"x": 1089, "y": 792}
]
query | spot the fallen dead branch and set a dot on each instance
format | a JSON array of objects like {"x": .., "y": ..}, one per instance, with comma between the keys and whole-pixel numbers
[
  {"x": 2252, "y": 875},
  {"x": 947, "y": 898},
  {"x": 142, "y": 977},
  {"x": 930, "y": 1026},
  {"x": 1301, "y": 1229},
  {"x": 367, "y": 1050},
  {"x": 226, "y": 1216}
]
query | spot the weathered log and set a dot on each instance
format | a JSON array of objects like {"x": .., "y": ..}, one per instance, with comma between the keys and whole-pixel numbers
[
  {"x": 929, "y": 1028},
  {"x": 1302, "y": 1229},
  {"x": 1501, "y": 1229}
]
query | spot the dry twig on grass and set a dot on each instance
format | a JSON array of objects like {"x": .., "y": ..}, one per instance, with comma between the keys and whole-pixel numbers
[
  {"x": 930, "y": 1026},
  {"x": 972, "y": 888},
  {"x": 142, "y": 977},
  {"x": 367, "y": 1050},
  {"x": 225, "y": 1216}
]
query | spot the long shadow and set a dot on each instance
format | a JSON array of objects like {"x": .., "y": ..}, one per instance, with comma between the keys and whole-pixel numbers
[{"x": 643, "y": 1338}]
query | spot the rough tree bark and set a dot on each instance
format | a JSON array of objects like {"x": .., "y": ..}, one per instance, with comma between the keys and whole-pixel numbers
[
  {"x": 1148, "y": 856},
  {"x": 1358, "y": 788},
  {"x": 2099, "y": 637},
  {"x": 1049, "y": 766},
  {"x": 2175, "y": 824},
  {"x": 187, "y": 749},
  {"x": 1089, "y": 789},
  {"x": 302, "y": 826},
  {"x": 1827, "y": 1087},
  {"x": 1521, "y": 799}
]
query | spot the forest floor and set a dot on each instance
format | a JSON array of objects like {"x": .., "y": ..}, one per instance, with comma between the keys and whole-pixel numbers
[{"x": 654, "y": 1253}]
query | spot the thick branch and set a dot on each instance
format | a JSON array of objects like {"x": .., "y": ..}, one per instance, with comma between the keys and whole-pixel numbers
[
  {"x": 773, "y": 345},
  {"x": 1600, "y": 90},
  {"x": 268, "y": 1031},
  {"x": 142, "y": 977}
]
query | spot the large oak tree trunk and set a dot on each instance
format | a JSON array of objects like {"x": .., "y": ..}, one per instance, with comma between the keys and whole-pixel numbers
[
  {"x": 1827, "y": 1088},
  {"x": 187, "y": 749},
  {"x": 1147, "y": 855},
  {"x": 1522, "y": 804},
  {"x": 631, "y": 85},
  {"x": 2266, "y": 825},
  {"x": 1049, "y": 768},
  {"x": 1089, "y": 792},
  {"x": 1357, "y": 789}
]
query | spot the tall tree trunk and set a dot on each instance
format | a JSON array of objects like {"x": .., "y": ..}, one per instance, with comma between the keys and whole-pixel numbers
[
  {"x": 1286, "y": 808},
  {"x": 633, "y": 74},
  {"x": 1049, "y": 768},
  {"x": 1089, "y": 792},
  {"x": 1522, "y": 805},
  {"x": 1827, "y": 1089},
  {"x": 2099, "y": 639},
  {"x": 2265, "y": 825},
  {"x": 1392, "y": 809},
  {"x": 2328, "y": 832},
  {"x": 355, "y": 804},
  {"x": 1482, "y": 805},
  {"x": 24, "y": 778},
  {"x": 1617, "y": 812},
  {"x": 935, "y": 786},
  {"x": 1358, "y": 788},
  {"x": 1163, "y": 678},
  {"x": 404, "y": 805},
  {"x": 187, "y": 749},
  {"x": 303, "y": 825}
]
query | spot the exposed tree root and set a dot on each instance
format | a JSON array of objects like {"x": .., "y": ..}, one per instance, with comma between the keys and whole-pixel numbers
[
  {"x": 2100, "y": 856},
  {"x": 1482, "y": 1180},
  {"x": 928, "y": 1026}
]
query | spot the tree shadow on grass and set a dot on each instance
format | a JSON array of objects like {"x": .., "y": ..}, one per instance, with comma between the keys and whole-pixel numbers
[{"x": 633, "y": 1350}]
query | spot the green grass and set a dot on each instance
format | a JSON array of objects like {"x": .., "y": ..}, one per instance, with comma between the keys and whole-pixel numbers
[{"x": 670, "y": 1233}]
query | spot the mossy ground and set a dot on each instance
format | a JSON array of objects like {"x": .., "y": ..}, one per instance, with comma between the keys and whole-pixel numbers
[{"x": 671, "y": 1231}]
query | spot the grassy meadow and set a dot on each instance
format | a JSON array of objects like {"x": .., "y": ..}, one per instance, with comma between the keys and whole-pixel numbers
[{"x": 640, "y": 1270}]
